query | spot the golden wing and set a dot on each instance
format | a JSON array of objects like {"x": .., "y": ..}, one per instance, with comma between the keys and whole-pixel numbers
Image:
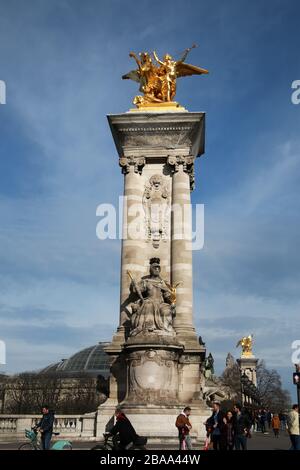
[
  {"x": 239, "y": 343},
  {"x": 183, "y": 70},
  {"x": 132, "y": 75}
]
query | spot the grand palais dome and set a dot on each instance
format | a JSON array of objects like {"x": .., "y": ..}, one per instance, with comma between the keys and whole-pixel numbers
[{"x": 92, "y": 361}]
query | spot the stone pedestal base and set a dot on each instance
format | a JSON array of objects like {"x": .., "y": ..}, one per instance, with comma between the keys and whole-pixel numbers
[
  {"x": 156, "y": 422},
  {"x": 158, "y": 378}
]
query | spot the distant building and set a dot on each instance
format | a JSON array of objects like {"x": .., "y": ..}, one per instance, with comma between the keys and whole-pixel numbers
[
  {"x": 92, "y": 361},
  {"x": 70, "y": 384}
]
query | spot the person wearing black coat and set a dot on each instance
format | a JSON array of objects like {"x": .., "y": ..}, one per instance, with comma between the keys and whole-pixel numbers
[
  {"x": 241, "y": 426},
  {"x": 123, "y": 429},
  {"x": 216, "y": 423},
  {"x": 228, "y": 431},
  {"x": 45, "y": 426}
]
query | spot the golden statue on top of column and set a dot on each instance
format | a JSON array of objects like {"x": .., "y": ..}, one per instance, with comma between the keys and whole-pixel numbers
[
  {"x": 157, "y": 78},
  {"x": 246, "y": 343}
]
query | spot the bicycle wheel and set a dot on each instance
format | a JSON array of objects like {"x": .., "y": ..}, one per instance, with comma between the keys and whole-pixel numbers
[
  {"x": 103, "y": 447},
  {"x": 99, "y": 447},
  {"x": 67, "y": 447},
  {"x": 25, "y": 446}
]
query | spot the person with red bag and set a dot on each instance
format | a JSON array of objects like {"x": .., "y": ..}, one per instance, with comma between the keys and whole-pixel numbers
[{"x": 184, "y": 426}]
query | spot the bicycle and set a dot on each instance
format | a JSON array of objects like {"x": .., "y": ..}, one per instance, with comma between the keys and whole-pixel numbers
[
  {"x": 112, "y": 443},
  {"x": 35, "y": 443},
  {"x": 108, "y": 443}
]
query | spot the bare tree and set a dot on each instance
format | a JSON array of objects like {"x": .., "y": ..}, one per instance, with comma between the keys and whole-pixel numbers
[
  {"x": 27, "y": 392},
  {"x": 269, "y": 385},
  {"x": 231, "y": 378},
  {"x": 80, "y": 395}
]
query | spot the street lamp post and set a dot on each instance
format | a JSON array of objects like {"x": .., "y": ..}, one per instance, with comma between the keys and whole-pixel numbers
[
  {"x": 250, "y": 395},
  {"x": 243, "y": 391}
]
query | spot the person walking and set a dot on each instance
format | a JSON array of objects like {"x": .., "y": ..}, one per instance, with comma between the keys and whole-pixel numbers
[
  {"x": 216, "y": 423},
  {"x": 257, "y": 420},
  {"x": 248, "y": 413},
  {"x": 263, "y": 419},
  {"x": 293, "y": 427},
  {"x": 45, "y": 426},
  {"x": 228, "y": 432},
  {"x": 242, "y": 425},
  {"x": 282, "y": 417},
  {"x": 269, "y": 417},
  {"x": 184, "y": 426},
  {"x": 275, "y": 425}
]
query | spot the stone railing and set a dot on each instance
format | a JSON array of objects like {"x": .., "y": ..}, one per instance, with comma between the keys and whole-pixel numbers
[{"x": 76, "y": 426}]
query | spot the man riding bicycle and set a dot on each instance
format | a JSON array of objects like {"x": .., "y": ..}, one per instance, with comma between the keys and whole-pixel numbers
[{"x": 124, "y": 433}]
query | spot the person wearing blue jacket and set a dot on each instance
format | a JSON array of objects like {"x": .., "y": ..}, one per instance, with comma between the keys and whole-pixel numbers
[{"x": 45, "y": 426}]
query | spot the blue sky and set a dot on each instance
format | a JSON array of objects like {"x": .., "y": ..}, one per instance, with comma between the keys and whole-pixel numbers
[{"x": 62, "y": 62}]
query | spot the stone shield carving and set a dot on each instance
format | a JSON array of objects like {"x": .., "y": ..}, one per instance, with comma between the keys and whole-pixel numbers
[
  {"x": 153, "y": 374},
  {"x": 149, "y": 375}
]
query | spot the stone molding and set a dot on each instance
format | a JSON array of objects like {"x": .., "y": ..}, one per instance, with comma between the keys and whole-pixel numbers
[{"x": 155, "y": 129}]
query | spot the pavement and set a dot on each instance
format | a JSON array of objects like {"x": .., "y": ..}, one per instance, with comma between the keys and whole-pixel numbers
[{"x": 258, "y": 441}]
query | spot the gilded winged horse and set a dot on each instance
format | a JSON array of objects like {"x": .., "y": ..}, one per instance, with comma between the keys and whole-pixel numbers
[
  {"x": 246, "y": 345},
  {"x": 157, "y": 78}
]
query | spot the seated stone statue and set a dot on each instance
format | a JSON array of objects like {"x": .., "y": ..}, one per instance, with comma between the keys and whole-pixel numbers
[{"x": 154, "y": 311}]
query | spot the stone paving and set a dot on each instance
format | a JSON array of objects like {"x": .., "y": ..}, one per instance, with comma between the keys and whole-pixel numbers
[{"x": 259, "y": 441}]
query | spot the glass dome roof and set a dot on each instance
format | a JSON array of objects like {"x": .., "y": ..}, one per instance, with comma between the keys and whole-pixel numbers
[{"x": 92, "y": 361}]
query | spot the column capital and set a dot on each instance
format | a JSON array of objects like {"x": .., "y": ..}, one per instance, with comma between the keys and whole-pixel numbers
[
  {"x": 187, "y": 162},
  {"x": 132, "y": 164}
]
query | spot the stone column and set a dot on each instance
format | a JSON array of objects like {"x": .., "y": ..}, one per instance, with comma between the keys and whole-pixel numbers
[
  {"x": 181, "y": 247},
  {"x": 248, "y": 366},
  {"x": 153, "y": 384},
  {"x": 132, "y": 257}
]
